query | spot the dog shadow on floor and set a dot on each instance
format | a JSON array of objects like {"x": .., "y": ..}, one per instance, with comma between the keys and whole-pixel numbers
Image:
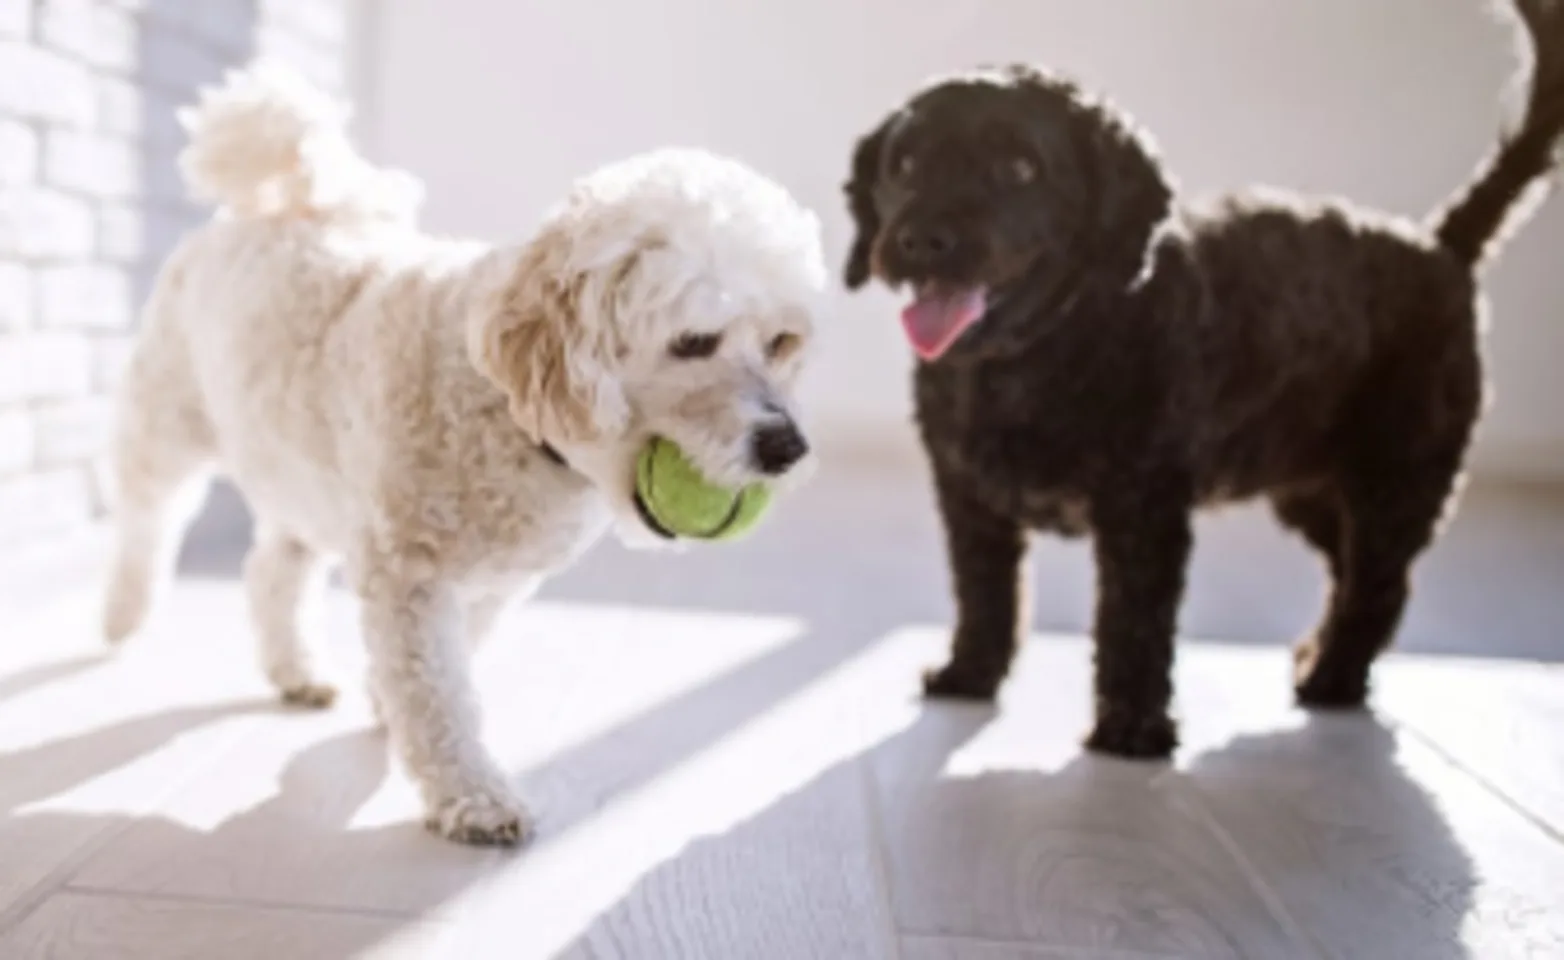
[
  {"x": 295, "y": 848},
  {"x": 44, "y": 674},
  {"x": 49, "y": 769},
  {"x": 1295, "y": 843},
  {"x": 308, "y": 843}
]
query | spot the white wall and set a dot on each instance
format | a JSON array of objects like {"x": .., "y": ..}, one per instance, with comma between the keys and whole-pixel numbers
[{"x": 498, "y": 103}]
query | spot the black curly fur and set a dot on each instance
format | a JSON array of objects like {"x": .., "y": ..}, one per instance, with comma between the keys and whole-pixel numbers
[{"x": 1141, "y": 359}]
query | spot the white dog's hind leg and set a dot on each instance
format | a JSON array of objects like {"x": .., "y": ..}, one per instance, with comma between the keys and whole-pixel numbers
[
  {"x": 163, "y": 452},
  {"x": 285, "y": 583},
  {"x": 416, "y": 638}
]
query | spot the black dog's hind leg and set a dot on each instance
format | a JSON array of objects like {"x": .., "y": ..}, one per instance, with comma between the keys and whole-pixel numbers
[{"x": 1389, "y": 518}]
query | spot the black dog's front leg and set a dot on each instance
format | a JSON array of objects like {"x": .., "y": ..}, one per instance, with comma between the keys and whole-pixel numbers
[
  {"x": 985, "y": 551},
  {"x": 1141, "y": 557}
]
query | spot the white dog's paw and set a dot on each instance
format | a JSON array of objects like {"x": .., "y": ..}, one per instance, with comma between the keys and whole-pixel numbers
[
  {"x": 123, "y": 613},
  {"x": 486, "y": 818},
  {"x": 315, "y": 696},
  {"x": 301, "y": 687}
]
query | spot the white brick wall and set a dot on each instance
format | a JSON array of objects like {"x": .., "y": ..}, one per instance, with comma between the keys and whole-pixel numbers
[
  {"x": 18, "y": 153},
  {"x": 16, "y": 440},
  {"x": 90, "y": 163},
  {"x": 43, "y": 503},
  {"x": 120, "y": 107},
  {"x": 99, "y": 34},
  {"x": 16, "y": 296},
  {"x": 90, "y": 202},
  {"x": 16, "y": 17},
  {"x": 83, "y": 295},
  {"x": 43, "y": 84},
  {"x": 69, "y": 432},
  {"x": 38, "y": 223},
  {"x": 121, "y": 233}
]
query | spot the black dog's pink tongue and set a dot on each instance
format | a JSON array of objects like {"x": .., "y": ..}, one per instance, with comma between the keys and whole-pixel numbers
[{"x": 937, "y": 317}]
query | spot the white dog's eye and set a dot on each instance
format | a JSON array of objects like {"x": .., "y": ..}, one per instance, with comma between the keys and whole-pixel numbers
[
  {"x": 694, "y": 346},
  {"x": 782, "y": 345}
]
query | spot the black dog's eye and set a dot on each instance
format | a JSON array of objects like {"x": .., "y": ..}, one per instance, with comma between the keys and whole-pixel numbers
[
  {"x": 1020, "y": 170},
  {"x": 694, "y": 346},
  {"x": 903, "y": 167},
  {"x": 782, "y": 345}
]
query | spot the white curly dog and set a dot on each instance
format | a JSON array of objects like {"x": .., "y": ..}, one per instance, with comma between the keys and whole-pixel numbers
[{"x": 449, "y": 420}]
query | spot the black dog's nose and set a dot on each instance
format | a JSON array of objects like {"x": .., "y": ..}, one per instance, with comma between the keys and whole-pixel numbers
[
  {"x": 924, "y": 244},
  {"x": 776, "y": 447}
]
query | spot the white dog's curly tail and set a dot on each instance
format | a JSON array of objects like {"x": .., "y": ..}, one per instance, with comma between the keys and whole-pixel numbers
[{"x": 267, "y": 143}]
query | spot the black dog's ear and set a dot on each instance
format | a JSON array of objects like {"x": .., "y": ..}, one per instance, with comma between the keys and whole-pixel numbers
[
  {"x": 860, "y": 203},
  {"x": 1136, "y": 198}
]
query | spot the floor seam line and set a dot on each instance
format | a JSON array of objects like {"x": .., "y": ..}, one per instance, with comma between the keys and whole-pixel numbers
[
  {"x": 59, "y": 878},
  {"x": 1085, "y": 953},
  {"x": 1554, "y": 833},
  {"x": 1189, "y": 797},
  {"x": 869, "y": 795},
  {"x": 111, "y": 893}
]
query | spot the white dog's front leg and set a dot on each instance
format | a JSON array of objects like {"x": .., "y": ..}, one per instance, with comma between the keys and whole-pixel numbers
[{"x": 418, "y": 667}]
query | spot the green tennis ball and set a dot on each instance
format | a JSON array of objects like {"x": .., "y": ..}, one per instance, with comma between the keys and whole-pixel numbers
[{"x": 675, "y": 499}]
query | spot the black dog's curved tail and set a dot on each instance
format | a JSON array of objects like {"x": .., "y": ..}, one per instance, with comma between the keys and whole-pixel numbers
[{"x": 1477, "y": 218}]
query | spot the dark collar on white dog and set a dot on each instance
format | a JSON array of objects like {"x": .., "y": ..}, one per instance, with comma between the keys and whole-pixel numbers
[{"x": 550, "y": 451}]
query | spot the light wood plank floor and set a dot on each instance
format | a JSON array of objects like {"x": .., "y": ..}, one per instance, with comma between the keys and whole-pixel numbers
[{"x": 731, "y": 763}]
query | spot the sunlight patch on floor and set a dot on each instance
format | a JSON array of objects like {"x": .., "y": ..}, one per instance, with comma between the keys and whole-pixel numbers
[{"x": 574, "y": 876}]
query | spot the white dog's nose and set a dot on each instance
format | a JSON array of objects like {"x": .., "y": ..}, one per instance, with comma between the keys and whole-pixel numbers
[{"x": 777, "y": 446}]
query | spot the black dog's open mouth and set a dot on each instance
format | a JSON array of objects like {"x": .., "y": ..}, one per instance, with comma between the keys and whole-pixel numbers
[
  {"x": 650, "y": 521},
  {"x": 939, "y": 314}
]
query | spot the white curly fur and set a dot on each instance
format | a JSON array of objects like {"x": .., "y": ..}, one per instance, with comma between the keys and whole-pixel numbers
[{"x": 380, "y": 396}]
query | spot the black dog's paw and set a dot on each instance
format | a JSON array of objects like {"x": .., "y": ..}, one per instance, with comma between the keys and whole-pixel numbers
[
  {"x": 956, "y": 681},
  {"x": 1332, "y": 691},
  {"x": 1133, "y": 736},
  {"x": 1326, "y": 689}
]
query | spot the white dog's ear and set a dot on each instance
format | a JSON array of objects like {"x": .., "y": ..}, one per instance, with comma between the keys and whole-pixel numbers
[{"x": 554, "y": 355}]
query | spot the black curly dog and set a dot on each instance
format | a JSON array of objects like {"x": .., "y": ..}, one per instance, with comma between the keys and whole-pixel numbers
[{"x": 1098, "y": 359}]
